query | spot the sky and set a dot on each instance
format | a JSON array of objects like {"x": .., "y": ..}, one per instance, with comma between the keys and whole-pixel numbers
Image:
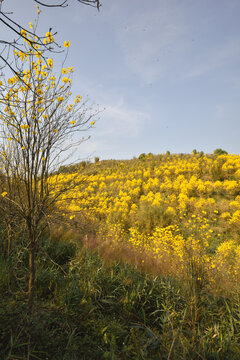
[{"x": 165, "y": 73}]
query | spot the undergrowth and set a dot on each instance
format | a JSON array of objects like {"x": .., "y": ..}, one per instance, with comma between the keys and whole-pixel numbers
[{"x": 87, "y": 307}]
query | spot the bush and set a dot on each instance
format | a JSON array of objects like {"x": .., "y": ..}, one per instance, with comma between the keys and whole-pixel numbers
[
  {"x": 220, "y": 152},
  {"x": 61, "y": 251},
  {"x": 142, "y": 156}
]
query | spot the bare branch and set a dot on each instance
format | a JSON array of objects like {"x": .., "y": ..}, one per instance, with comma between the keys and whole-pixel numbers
[
  {"x": 26, "y": 34},
  {"x": 93, "y": 3},
  {"x": 63, "y": 4}
]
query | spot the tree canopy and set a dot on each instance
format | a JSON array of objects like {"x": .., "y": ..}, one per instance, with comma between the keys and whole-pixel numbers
[{"x": 20, "y": 32}]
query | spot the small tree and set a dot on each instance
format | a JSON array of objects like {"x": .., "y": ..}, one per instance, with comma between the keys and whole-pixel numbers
[
  {"x": 38, "y": 117},
  {"x": 219, "y": 152},
  {"x": 142, "y": 156}
]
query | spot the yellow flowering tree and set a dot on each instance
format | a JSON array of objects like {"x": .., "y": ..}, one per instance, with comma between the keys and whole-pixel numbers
[
  {"x": 21, "y": 33},
  {"x": 38, "y": 117}
]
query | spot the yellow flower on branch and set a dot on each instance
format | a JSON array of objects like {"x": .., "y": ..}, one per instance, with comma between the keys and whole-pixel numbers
[
  {"x": 39, "y": 91},
  {"x": 38, "y": 54},
  {"x": 24, "y": 126},
  {"x": 77, "y": 99},
  {"x": 23, "y": 33},
  {"x": 66, "y": 44},
  {"x": 65, "y": 79},
  {"x": 49, "y": 37},
  {"x": 50, "y": 63},
  {"x": 11, "y": 81},
  {"x": 4, "y": 194}
]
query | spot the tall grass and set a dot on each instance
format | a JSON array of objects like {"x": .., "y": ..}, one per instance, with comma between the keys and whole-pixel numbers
[{"x": 96, "y": 307}]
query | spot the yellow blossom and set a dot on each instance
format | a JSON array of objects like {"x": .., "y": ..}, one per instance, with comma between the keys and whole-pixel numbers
[
  {"x": 65, "y": 80},
  {"x": 66, "y": 44},
  {"x": 50, "y": 63}
]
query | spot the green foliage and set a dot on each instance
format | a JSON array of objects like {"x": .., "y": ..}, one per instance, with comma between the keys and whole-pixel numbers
[
  {"x": 142, "y": 156},
  {"x": 148, "y": 217},
  {"x": 86, "y": 310},
  {"x": 61, "y": 251},
  {"x": 216, "y": 169},
  {"x": 150, "y": 155},
  {"x": 220, "y": 152},
  {"x": 4, "y": 269},
  {"x": 68, "y": 169},
  {"x": 90, "y": 308}
]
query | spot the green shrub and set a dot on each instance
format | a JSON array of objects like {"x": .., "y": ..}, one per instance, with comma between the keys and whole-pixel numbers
[
  {"x": 219, "y": 152},
  {"x": 61, "y": 251},
  {"x": 142, "y": 156}
]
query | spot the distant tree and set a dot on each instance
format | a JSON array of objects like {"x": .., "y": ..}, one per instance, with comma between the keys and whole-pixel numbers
[
  {"x": 96, "y": 159},
  {"x": 150, "y": 155},
  {"x": 38, "y": 117},
  {"x": 167, "y": 152},
  {"x": 220, "y": 152},
  {"x": 142, "y": 156},
  {"x": 194, "y": 152}
]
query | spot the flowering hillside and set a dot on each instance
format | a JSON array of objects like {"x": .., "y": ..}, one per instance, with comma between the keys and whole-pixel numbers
[{"x": 180, "y": 211}]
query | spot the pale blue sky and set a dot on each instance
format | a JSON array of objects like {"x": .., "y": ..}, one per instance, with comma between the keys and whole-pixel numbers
[{"x": 167, "y": 72}]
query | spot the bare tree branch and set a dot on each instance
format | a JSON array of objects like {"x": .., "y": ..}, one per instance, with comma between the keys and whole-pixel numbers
[
  {"x": 63, "y": 4},
  {"x": 26, "y": 35}
]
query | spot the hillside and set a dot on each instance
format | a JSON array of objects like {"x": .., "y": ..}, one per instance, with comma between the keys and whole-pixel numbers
[
  {"x": 171, "y": 208},
  {"x": 140, "y": 260}
]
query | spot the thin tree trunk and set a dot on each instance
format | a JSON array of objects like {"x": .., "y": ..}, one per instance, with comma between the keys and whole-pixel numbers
[
  {"x": 31, "y": 281},
  {"x": 9, "y": 230}
]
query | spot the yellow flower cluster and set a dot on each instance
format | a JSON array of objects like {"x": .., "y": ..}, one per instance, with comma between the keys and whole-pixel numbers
[
  {"x": 31, "y": 100},
  {"x": 180, "y": 209}
]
